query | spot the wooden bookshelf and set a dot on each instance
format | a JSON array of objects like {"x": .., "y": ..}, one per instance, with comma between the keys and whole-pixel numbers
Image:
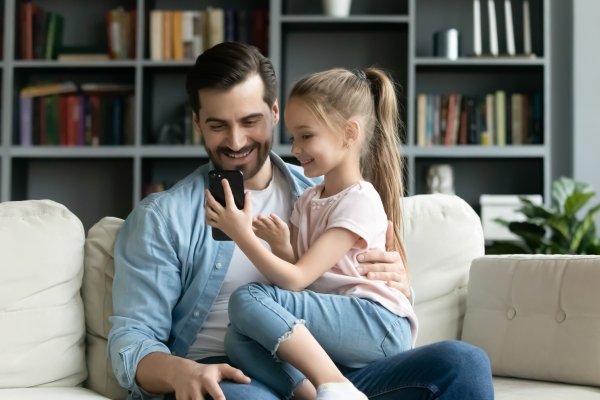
[{"x": 95, "y": 181}]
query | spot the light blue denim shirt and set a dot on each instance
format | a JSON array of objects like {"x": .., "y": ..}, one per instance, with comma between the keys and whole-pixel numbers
[{"x": 168, "y": 272}]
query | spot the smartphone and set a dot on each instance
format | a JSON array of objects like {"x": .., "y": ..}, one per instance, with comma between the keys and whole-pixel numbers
[{"x": 236, "y": 183}]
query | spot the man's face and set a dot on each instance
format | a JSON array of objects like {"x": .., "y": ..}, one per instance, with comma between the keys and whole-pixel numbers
[{"x": 237, "y": 126}]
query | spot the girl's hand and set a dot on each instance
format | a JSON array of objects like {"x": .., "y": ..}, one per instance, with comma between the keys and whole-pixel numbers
[
  {"x": 234, "y": 222},
  {"x": 272, "y": 230}
]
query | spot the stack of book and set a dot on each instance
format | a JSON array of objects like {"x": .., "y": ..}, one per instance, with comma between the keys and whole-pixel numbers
[
  {"x": 69, "y": 115},
  {"x": 41, "y": 36},
  {"x": 493, "y": 119},
  {"x": 40, "y": 32},
  {"x": 184, "y": 34}
]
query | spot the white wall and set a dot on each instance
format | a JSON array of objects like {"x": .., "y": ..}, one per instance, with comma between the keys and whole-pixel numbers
[{"x": 586, "y": 94}]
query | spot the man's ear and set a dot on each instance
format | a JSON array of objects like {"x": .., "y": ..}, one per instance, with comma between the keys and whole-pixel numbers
[
  {"x": 196, "y": 127},
  {"x": 275, "y": 111},
  {"x": 351, "y": 132}
]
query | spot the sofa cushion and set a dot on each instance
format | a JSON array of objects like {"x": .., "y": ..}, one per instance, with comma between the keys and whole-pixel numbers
[
  {"x": 442, "y": 235},
  {"x": 97, "y": 299},
  {"x": 41, "y": 312},
  {"x": 53, "y": 393},
  {"x": 537, "y": 317},
  {"x": 524, "y": 389}
]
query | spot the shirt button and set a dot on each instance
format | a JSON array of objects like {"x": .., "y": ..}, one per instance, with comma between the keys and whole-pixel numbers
[
  {"x": 218, "y": 265},
  {"x": 196, "y": 314}
]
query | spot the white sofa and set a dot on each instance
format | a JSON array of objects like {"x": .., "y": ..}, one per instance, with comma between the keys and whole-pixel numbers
[{"x": 537, "y": 317}]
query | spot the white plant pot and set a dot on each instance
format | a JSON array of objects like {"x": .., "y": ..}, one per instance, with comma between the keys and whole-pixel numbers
[{"x": 337, "y": 8}]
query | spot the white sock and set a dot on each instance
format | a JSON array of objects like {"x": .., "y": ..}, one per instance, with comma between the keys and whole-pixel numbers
[{"x": 339, "y": 391}]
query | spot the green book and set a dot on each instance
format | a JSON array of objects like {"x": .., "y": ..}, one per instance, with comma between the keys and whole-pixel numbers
[
  {"x": 54, "y": 35},
  {"x": 52, "y": 124}
]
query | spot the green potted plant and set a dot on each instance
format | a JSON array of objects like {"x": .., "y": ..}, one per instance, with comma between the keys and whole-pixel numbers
[{"x": 557, "y": 229}]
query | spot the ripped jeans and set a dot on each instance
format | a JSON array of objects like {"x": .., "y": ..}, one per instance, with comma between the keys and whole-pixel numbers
[{"x": 353, "y": 331}]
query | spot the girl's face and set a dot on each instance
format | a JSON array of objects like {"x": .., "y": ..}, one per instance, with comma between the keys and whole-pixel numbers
[{"x": 319, "y": 149}]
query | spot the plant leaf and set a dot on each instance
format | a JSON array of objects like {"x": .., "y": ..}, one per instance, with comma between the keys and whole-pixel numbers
[
  {"x": 561, "y": 225},
  {"x": 531, "y": 234},
  {"x": 507, "y": 247},
  {"x": 583, "y": 227},
  {"x": 577, "y": 200},
  {"x": 561, "y": 189}
]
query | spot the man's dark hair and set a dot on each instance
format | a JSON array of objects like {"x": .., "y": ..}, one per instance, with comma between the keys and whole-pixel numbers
[{"x": 227, "y": 64}]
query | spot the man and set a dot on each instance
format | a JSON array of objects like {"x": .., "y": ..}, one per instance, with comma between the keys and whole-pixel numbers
[{"x": 172, "y": 280}]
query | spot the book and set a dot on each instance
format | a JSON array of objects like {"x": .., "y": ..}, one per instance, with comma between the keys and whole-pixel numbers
[
  {"x": 156, "y": 34},
  {"x": 516, "y": 101},
  {"x": 489, "y": 119},
  {"x": 510, "y": 32},
  {"x": 493, "y": 28},
  {"x": 54, "y": 35},
  {"x": 477, "y": 27},
  {"x": 421, "y": 115},
  {"x": 45, "y": 89},
  {"x": 500, "y": 117},
  {"x": 526, "y": 28},
  {"x": 177, "y": 34},
  {"x": 26, "y": 118},
  {"x": 216, "y": 26},
  {"x": 28, "y": 12},
  {"x": 187, "y": 35},
  {"x": 82, "y": 57},
  {"x": 167, "y": 37},
  {"x": 51, "y": 110}
]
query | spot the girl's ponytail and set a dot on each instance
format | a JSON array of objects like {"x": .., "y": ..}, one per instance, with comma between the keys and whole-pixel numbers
[{"x": 382, "y": 163}]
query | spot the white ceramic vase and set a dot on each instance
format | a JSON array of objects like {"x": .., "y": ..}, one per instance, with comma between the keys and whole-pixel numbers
[{"x": 337, "y": 8}]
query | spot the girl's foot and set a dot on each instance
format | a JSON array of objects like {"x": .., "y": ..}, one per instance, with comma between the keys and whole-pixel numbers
[{"x": 338, "y": 391}]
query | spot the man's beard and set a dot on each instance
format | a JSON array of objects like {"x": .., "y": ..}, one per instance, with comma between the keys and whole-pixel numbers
[{"x": 248, "y": 170}]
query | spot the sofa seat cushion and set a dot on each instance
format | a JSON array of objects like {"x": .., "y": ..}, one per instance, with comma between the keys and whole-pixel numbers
[
  {"x": 522, "y": 389},
  {"x": 54, "y": 393},
  {"x": 537, "y": 317},
  {"x": 442, "y": 235},
  {"x": 41, "y": 312}
]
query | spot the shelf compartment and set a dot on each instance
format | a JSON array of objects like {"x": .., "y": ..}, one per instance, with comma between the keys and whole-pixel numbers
[
  {"x": 165, "y": 107},
  {"x": 84, "y": 24},
  {"x": 344, "y": 45},
  {"x": 26, "y": 76},
  {"x": 475, "y": 176},
  {"x": 90, "y": 188},
  {"x": 359, "y": 7},
  {"x": 253, "y": 29},
  {"x": 162, "y": 173},
  {"x": 429, "y": 19}
]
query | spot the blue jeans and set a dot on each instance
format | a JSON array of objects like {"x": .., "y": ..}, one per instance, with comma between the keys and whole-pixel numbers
[
  {"x": 354, "y": 332},
  {"x": 448, "y": 370}
]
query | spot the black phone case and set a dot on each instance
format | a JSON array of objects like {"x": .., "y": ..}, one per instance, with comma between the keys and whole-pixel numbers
[{"x": 236, "y": 182}]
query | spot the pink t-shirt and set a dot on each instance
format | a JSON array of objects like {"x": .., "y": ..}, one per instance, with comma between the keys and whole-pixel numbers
[{"x": 358, "y": 209}]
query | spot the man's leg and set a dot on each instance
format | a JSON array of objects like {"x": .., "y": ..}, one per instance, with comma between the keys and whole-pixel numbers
[
  {"x": 254, "y": 390},
  {"x": 449, "y": 370}
]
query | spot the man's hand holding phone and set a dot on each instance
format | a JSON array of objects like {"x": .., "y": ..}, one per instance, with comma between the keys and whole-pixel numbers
[{"x": 228, "y": 210}]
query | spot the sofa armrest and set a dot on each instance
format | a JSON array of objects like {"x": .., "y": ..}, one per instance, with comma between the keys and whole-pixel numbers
[
  {"x": 537, "y": 317},
  {"x": 442, "y": 236}
]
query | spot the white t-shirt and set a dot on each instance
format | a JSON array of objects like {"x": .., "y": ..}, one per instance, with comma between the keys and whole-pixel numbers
[
  {"x": 276, "y": 199},
  {"x": 359, "y": 209}
]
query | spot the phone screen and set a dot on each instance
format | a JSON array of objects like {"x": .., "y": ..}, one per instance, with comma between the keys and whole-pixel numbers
[{"x": 236, "y": 182}]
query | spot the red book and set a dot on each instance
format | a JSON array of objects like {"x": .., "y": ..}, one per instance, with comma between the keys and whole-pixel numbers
[
  {"x": 63, "y": 118},
  {"x": 28, "y": 13}
]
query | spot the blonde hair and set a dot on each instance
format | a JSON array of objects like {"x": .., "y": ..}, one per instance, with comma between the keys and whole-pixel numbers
[{"x": 335, "y": 96}]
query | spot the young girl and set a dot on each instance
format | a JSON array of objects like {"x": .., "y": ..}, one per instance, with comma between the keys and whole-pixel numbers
[{"x": 344, "y": 128}]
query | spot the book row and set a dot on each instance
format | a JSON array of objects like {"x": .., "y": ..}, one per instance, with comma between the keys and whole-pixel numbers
[
  {"x": 493, "y": 119},
  {"x": 67, "y": 115},
  {"x": 40, "y": 35},
  {"x": 183, "y": 34}
]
